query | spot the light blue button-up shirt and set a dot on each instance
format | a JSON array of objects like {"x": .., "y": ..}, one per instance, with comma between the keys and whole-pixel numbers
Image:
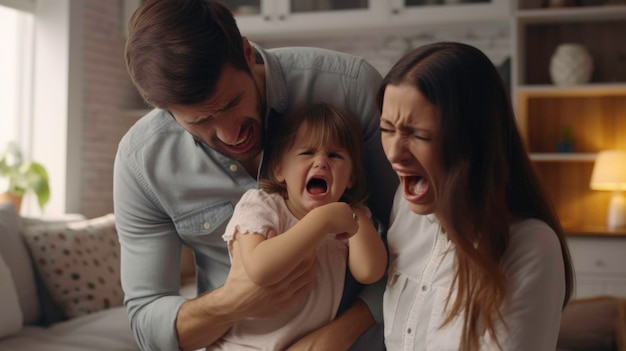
[{"x": 171, "y": 190}]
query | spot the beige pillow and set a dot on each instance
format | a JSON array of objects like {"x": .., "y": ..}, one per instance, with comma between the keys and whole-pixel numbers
[{"x": 79, "y": 263}]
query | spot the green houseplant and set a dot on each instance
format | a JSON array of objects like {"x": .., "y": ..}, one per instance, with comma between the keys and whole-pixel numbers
[{"x": 19, "y": 176}]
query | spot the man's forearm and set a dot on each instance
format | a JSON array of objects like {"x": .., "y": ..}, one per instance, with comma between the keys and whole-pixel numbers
[{"x": 201, "y": 321}]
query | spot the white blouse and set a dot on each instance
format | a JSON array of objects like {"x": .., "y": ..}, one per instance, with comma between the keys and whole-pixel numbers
[{"x": 420, "y": 276}]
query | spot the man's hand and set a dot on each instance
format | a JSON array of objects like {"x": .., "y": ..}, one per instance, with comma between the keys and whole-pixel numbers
[
  {"x": 339, "y": 334},
  {"x": 256, "y": 301},
  {"x": 203, "y": 320}
]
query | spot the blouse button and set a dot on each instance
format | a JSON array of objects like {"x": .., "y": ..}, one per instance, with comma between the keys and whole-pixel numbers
[
  {"x": 206, "y": 225},
  {"x": 424, "y": 287},
  {"x": 408, "y": 331},
  {"x": 233, "y": 168}
]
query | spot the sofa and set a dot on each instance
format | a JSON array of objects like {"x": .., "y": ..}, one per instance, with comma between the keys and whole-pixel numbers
[
  {"x": 59, "y": 284},
  {"x": 42, "y": 307}
]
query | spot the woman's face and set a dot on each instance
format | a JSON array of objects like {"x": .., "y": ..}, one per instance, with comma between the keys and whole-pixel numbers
[{"x": 408, "y": 126}]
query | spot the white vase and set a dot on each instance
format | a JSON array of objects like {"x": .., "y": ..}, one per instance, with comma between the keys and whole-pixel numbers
[{"x": 571, "y": 64}]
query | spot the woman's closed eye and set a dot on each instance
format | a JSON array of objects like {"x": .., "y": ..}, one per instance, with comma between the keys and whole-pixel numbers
[{"x": 386, "y": 130}]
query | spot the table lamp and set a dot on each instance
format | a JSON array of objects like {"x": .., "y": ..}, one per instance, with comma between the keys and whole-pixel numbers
[{"x": 609, "y": 173}]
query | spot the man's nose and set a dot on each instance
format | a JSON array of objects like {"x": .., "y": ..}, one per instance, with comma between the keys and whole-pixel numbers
[{"x": 227, "y": 131}]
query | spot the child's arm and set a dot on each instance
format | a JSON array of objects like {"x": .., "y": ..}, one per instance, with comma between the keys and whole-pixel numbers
[
  {"x": 268, "y": 261},
  {"x": 367, "y": 256}
]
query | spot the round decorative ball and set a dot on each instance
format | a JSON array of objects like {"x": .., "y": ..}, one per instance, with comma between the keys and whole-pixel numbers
[{"x": 571, "y": 64}]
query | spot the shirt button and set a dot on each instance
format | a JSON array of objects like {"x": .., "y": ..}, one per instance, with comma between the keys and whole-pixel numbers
[
  {"x": 408, "y": 331},
  {"x": 206, "y": 225},
  {"x": 233, "y": 168},
  {"x": 424, "y": 287}
]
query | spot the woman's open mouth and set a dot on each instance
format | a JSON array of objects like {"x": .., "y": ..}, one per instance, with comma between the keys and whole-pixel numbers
[{"x": 415, "y": 187}]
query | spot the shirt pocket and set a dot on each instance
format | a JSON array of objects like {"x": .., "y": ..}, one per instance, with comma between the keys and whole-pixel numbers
[
  {"x": 396, "y": 284},
  {"x": 206, "y": 221},
  {"x": 447, "y": 337}
]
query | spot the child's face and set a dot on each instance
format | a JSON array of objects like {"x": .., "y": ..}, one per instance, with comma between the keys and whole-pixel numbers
[{"x": 314, "y": 176}]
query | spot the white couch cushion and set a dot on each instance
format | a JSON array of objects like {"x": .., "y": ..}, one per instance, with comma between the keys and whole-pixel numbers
[
  {"x": 11, "y": 317},
  {"x": 106, "y": 330},
  {"x": 15, "y": 254}
]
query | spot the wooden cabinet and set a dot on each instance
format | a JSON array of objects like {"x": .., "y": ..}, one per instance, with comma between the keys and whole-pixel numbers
[
  {"x": 599, "y": 263},
  {"x": 270, "y": 19},
  {"x": 419, "y": 12},
  {"x": 588, "y": 117}
]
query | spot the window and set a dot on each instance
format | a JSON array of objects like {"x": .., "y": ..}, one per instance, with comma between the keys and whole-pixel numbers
[{"x": 16, "y": 63}]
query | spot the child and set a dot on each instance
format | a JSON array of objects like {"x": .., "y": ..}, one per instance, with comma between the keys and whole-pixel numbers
[{"x": 309, "y": 209}]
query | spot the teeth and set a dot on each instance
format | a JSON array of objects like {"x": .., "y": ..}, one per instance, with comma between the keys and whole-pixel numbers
[
  {"x": 417, "y": 185},
  {"x": 420, "y": 187}
]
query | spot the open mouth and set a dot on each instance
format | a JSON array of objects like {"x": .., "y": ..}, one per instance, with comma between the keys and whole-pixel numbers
[
  {"x": 317, "y": 186},
  {"x": 415, "y": 185},
  {"x": 245, "y": 144}
]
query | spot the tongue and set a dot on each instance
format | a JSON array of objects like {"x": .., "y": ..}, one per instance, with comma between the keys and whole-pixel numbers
[
  {"x": 316, "y": 189},
  {"x": 418, "y": 186}
]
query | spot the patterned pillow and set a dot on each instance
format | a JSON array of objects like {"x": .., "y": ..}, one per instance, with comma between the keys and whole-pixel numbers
[{"x": 79, "y": 263}]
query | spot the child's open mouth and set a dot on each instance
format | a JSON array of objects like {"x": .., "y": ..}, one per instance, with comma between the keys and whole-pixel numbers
[{"x": 317, "y": 186}]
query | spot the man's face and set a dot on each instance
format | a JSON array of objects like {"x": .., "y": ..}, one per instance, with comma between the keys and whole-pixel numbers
[{"x": 229, "y": 121}]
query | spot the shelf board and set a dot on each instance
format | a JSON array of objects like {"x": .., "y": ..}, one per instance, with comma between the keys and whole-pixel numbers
[
  {"x": 562, "y": 157},
  {"x": 572, "y": 14},
  {"x": 581, "y": 90},
  {"x": 594, "y": 231}
]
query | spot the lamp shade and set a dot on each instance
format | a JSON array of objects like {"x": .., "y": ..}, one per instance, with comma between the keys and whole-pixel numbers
[{"x": 609, "y": 171}]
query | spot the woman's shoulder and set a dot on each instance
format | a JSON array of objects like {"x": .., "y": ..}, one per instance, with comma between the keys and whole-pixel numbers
[{"x": 533, "y": 242}]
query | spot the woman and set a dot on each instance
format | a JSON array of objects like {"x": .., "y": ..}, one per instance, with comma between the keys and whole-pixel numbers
[{"x": 478, "y": 259}]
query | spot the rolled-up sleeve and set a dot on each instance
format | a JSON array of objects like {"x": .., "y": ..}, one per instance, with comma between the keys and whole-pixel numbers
[{"x": 150, "y": 256}]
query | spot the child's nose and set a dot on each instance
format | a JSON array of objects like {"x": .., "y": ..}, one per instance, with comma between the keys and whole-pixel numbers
[{"x": 321, "y": 161}]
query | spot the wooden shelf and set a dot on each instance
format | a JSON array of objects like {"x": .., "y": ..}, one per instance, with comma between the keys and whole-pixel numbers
[
  {"x": 572, "y": 14},
  {"x": 562, "y": 157},
  {"x": 594, "y": 231},
  {"x": 583, "y": 90}
]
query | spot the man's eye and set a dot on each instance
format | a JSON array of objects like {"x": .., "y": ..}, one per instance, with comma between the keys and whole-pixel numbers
[{"x": 421, "y": 137}]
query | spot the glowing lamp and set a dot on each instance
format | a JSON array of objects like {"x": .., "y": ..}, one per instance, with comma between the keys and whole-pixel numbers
[{"x": 609, "y": 173}]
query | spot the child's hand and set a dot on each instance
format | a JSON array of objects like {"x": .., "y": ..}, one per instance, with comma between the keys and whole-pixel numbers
[{"x": 339, "y": 219}]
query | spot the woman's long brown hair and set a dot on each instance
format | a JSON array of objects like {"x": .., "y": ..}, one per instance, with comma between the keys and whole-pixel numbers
[{"x": 489, "y": 180}]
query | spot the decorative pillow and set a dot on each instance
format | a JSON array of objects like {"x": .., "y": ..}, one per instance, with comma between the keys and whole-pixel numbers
[
  {"x": 79, "y": 263},
  {"x": 11, "y": 317}
]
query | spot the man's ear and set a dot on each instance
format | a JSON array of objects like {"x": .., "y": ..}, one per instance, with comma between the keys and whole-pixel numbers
[{"x": 248, "y": 52}]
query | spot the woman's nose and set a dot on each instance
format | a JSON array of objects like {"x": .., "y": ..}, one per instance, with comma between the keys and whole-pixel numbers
[{"x": 395, "y": 149}]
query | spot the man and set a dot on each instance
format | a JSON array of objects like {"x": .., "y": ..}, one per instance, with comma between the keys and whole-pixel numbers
[{"x": 181, "y": 169}]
